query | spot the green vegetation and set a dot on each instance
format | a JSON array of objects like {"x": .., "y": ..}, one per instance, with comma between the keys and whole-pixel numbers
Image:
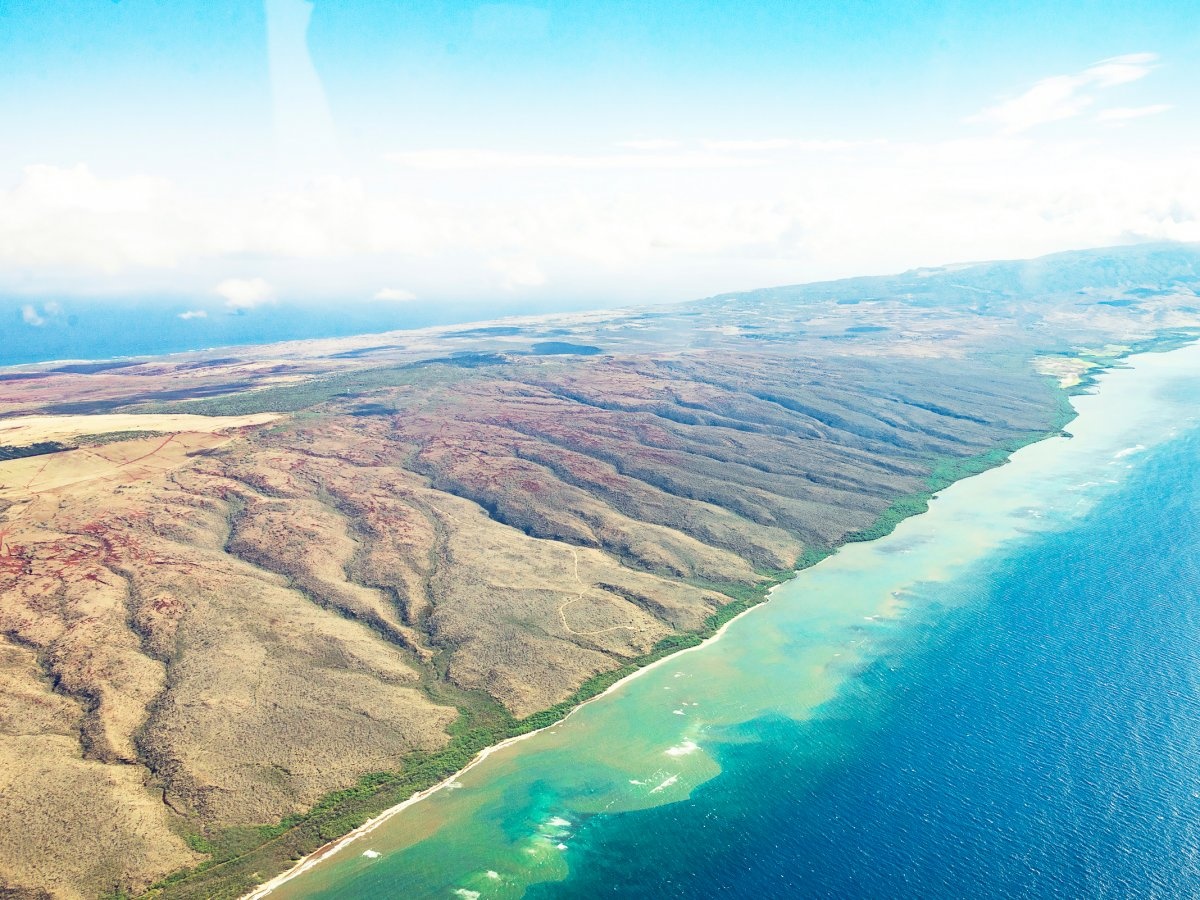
[
  {"x": 945, "y": 472},
  {"x": 199, "y": 843},
  {"x": 1165, "y": 341},
  {"x": 244, "y": 857},
  {"x": 1103, "y": 361},
  {"x": 113, "y": 437},
  {"x": 811, "y": 556},
  {"x": 305, "y": 394},
  {"x": 948, "y": 470},
  {"x": 39, "y": 449}
]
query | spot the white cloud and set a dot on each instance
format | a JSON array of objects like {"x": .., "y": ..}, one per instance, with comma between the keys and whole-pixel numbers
[
  {"x": 1122, "y": 69},
  {"x": 31, "y": 316},
  {"x": 517, "y": 273},
  {"x": 750, "y": 146},
  {"x": 245, "y": 293},
  {"x": 632, "y": 235},
  {"x": 1064, "y": 96},
  {"x": 68, "y": 216},
  {"x": 1050, "y": 100},
  {"x": 616, "y": 225},
  {"x": 649, "y": 144},
  {"x": 650, "y": 155},
  {"x": 394, "y": 295},
  {"x": 194, "y": 314},
  {"x": 1125, "y": 113},
  {"x": 458, "y": 159},
  {"x": 804, "y": 145}
]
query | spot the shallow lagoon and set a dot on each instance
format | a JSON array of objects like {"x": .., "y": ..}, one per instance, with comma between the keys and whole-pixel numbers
[{"x": 948, "y": 710}]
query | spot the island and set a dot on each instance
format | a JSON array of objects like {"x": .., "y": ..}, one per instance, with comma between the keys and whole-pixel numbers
[{"x": 251, "y": 597}]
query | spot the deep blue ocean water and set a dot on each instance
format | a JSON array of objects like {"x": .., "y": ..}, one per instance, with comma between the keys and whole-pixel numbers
[
  {"x": 1040, "y": 739},
  {"x": 104, "y": 329}
]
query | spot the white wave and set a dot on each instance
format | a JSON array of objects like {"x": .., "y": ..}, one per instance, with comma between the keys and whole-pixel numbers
[
  {"x": 1129, "y": 451},
  {"x": 683, "y": 749},
  {"x": 371, "y": 854},
  {"x": 467, "y": 895},
  {"x": 665, "y": 784},
  {"x": 558, "y": 822},
  {"x": 492, "y": 874},
  {"x": 561, "y": 846},
  {"x": 635, "y": 781},
  {"x": 679, "y": 712}
]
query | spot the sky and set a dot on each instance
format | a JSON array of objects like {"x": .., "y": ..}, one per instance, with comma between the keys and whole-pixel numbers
[{"x": 232, "y": 154}]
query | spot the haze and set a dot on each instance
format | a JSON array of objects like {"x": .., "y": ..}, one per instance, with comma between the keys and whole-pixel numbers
[{"x": 570, "y": 154}]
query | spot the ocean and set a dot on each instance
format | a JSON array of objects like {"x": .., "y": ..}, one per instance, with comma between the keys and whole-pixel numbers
[
  {"x": 97, "y": 329},
  {"x": 1000, "y": 699},
  {"x": 1042, "y": 740}
]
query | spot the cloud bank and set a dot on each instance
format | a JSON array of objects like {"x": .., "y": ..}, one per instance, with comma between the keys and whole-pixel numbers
[
  {"x": 661, "y": 218},
  {"x": 245, "y": 293},
  {"x": 394, "y": 295}
]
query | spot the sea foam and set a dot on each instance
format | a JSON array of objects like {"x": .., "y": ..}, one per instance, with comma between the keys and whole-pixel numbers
[{"x": 666, "y": 783}]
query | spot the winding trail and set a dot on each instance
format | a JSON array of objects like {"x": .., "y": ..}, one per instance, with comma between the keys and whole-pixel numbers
[
  {"x": 137, "y": 459},
  {"x": 562, "y": 610},
  {"x": 88, "y": 451}
]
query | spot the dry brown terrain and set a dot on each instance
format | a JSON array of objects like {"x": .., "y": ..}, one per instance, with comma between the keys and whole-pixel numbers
[
  {"x": 231, "y": 625},
  {"x": 216, "y": 611}
]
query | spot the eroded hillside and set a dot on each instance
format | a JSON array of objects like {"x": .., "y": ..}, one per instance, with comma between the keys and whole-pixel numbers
[
  {"x": 210, "y": 624},
  {"x": 227, "y": 626}
]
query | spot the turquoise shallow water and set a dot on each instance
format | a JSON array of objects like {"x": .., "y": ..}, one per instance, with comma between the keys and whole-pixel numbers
[{"x": 1002, "y": 699}]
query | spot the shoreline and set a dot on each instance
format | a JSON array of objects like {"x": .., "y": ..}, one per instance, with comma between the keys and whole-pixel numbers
[
  {"x": 316, "y": 857},
  {"x": 328, "y": 850},
  {"x": 322, "y": 853},
  {"x": 1003, "y": 455}
]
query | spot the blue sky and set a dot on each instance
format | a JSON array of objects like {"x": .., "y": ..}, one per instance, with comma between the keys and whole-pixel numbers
[{"x": 622, "y": 151}]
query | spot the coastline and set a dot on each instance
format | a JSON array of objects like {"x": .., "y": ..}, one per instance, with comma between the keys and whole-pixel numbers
[
  {"x": 335, "y": 342},
  {"x": 309, "y": 861},
  {"x": 555, "y": 715},
  {"x": 322, "y": 853}
]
